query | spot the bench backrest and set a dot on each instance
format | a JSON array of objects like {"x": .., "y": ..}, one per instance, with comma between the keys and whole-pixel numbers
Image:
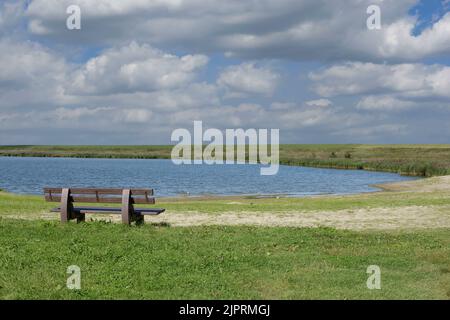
[{"x": 91, "y": 195}]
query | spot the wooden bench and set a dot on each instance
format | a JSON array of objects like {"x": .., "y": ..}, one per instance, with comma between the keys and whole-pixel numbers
[{"x": 127, "y": 197}]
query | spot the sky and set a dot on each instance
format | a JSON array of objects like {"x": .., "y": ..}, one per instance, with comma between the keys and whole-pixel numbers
[{"x": 139, "y": 69}]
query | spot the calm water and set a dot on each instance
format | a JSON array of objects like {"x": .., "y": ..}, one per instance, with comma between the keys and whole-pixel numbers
[{"x": 30, "y": 175}]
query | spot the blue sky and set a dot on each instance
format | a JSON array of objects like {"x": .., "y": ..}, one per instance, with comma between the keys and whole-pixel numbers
[
  {"x": 138, "y": 70},
  {"x": 428, "y": 12}
]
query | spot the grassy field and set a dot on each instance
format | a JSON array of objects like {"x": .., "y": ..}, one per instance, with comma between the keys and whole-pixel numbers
[
  {"x": 160, "y": 261},
  {"x": 218, "y": 262},
  {"x": 420, "y": 160}
]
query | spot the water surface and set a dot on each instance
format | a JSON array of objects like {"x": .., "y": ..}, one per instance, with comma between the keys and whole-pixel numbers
[{"x": 30, "y": 175}]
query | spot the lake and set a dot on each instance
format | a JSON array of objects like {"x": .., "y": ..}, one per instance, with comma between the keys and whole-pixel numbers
[{"x": 30, "y": 175}]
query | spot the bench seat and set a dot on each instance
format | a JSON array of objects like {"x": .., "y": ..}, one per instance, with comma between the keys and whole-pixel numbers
[{"x": 109, "y": 210}]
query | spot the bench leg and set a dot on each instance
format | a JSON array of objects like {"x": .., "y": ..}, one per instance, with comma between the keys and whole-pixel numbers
[
  {"x": 64, "y": 217},
  {"x": 126, "y": 218},
  {"x": 81, "y": 217},
  {"x": 140, "y": 219},
  {"x": 126, "y": 206},
  {"x": 66, "y": 206}
]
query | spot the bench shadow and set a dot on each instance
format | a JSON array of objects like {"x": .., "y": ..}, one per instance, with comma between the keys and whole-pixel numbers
[
  {"x": 159, "y": 224},
  {"x": 101, "y": 221},
  {"x": 137, "y": 223}
]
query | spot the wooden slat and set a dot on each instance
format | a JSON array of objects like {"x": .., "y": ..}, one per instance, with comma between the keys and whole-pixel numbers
[
  {"x": 149, "y": 212},
  {"x": 141, "y": 192},
  {"x": 53, "y": 190},
  {"x": 75, "y": 198},
  {"x": 107, "y": 210},
  {"x": 103, "y": 191},
  {"x": 147, "y": 200},
  {"x": 92, "y": 209},
  {"x": 57, "y": 198}
]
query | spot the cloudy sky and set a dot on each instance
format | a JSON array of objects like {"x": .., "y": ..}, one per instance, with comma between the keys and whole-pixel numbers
[{"x": 139, "y": 69}]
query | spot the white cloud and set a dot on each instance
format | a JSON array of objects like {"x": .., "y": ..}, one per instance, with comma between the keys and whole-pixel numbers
[
  {"x": 75, "y": 114},
  {"x": 369, "y": 133},
  {"x": 307, "y": 29},
  {"x": 134, "y": 90},
  {"x": 405, "y": 80},
  {"x": 386, "y": 103},
  {"x": 399, "y": 41},
  {"x": 41, "y": 108},
  {"x": 27, "y": 64},
  {"x": 319, "y": 103},
  {"x": 137, "y": 115},
  {"x": 247, "y": 78},
  {"x": 30, "y": 75},
  {"x": 135, "y": 68},
  {"x": 10, "y": 14},
  {"x": 282, "y": 105}
]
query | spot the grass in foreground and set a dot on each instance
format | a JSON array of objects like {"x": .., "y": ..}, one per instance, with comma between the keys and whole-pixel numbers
[
  {"x": 419, "y": 160},
  {"x": 154, "y": 262}
]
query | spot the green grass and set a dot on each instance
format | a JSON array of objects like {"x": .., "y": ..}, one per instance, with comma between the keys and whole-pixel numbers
[
  {"x": 218, "y": 262},
  {"x": 24, "y": 205},
  {"x": 161, "y": 262},
  {"x": 419, "y": 160}
]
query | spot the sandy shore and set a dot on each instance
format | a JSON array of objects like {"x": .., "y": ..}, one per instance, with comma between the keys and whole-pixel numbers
[
  {"x": 380, "y": 218},
  {"x": 434, "y": 184}
]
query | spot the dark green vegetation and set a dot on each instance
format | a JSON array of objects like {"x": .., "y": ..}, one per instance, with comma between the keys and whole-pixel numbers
[
  {"x": 417, "y": 160},
  {"x": 218, "y": 262},
  {"x": 131, "y": 152},
  {"x": 420, "y": 160}
]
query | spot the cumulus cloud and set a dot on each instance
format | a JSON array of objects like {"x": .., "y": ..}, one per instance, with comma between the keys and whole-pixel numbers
[
  {"x": 406, "y": 80},
  {"x": 307, "y": 29},
  {"x": 149, "y": 116},
  {"x": 384, "y": 103},
  {"x": 319, "y": 103},
  {"x": 75, "y": 114},
  {"x": 138, "y": 69},
  {"x": 11, "y": 12},
  {"x": 27, "y": 64},
  {"x": 135, "y": 68},
  {"x": 248, "y": 78},
  {"x": 30, "y": 75},
  {"x": 137, "y": 115}
]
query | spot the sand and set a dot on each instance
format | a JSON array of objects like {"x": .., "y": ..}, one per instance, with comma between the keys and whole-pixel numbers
[{"x": 397, "y": 218}]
